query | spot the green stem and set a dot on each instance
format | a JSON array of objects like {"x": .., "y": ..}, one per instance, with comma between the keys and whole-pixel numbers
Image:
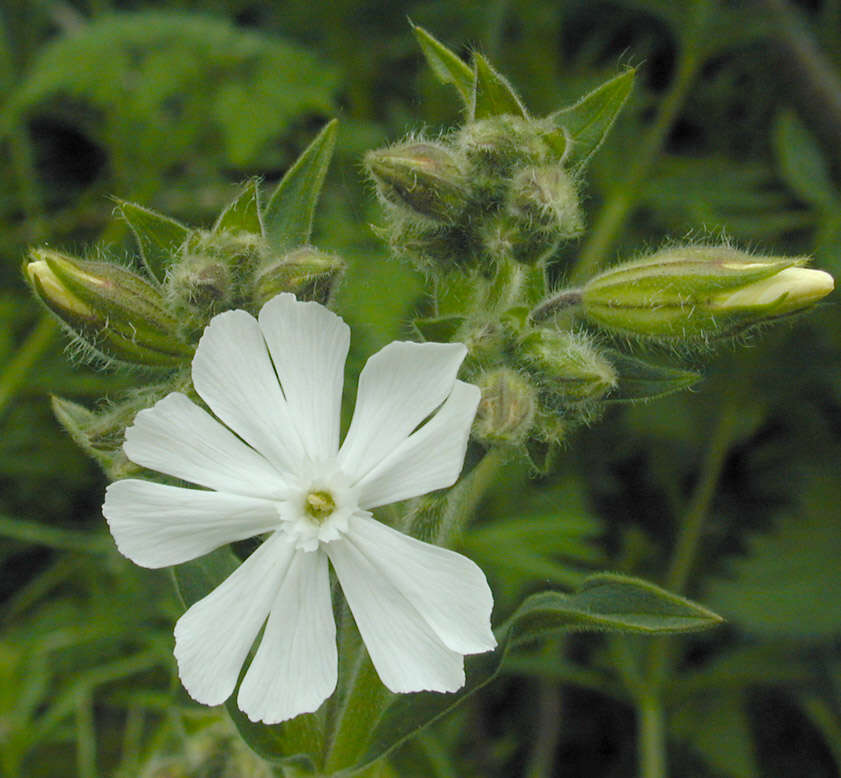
[
  {"x": 15, "y": 372},
  {"x": 625, "y": 195},
  {"x": 652, "y": 737}
]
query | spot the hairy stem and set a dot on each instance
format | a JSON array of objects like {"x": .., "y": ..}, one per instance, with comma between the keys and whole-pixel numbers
[{"x": 652, "y": 737}]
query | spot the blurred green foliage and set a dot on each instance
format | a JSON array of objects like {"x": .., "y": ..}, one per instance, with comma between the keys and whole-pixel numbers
[{"x": 175, "y": 103}]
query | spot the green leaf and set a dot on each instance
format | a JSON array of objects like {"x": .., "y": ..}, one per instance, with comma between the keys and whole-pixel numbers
[
  {"x": 289, "y": 214},
  {"x": 438, "y": 329},
  {"x": 640, "y": 381},
  {"x": 242, "y": 214},
  {"x": 447, "y": 66},
  {"x": 788, "y": 585},
  {"x": 492, "y": 94},
  {"x": 158, "y": 237},
  {"x": 298, "y": 742},
  {"x": 604, "y": 602},
  {"x": 802, "y": 163},
  {"x": 199, "y": 577},
  {"x": 588, "y": 121}
]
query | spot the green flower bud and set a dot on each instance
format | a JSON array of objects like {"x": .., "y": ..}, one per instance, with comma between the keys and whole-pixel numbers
[
  {"x": 201, "y": 283},
  {"x": 109, "y": 308},
  {"x": 545, "y": 198},
  {"x": 568, "y": 365},
  {"x": 424, "y": 178},
  {"x": 506, "y": 410},
  {"x": 497, "y": 146},
  {"x": 308, "y": 273},
  {"x": 700, "y": 292}
]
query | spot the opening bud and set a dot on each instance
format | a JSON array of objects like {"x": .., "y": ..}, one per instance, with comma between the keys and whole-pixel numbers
[
  {"x": 111, "y": 309},
  {"x": 568, "y": 364},
  {"x": 424, "y": 178},
  {"x": 308, "y": 273},
  {"x": 506, "y": 410},
  {"x": 701, "y": 292}
]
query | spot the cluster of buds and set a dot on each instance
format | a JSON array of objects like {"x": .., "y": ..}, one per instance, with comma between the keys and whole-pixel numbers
[
  {"x": 484, "y": 208},
  {"x": 153, "y": 317},
  {"x": 493, "y": 191}
]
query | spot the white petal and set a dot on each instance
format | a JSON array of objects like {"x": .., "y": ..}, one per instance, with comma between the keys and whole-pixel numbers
[
  {"x": 309, "y": 345},
  {"x": 295, "y": 667},
  {"x": 233, "y": 374},
  {"x": 178, "y": 438},
  {"x": 398, "y": 388},
  {"x": 447, "y": 589},
  {"x": 406, "y": 652},
  {"x": 156, "y": 525},
  {"x": 213, "y": 637},
  {"x": 430, "y": 458}
]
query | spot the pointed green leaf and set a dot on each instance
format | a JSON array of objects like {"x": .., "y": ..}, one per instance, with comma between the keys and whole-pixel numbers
[
  {"x": 158, "y": 236},
  {"x": 493, "y": 95},
  {"x": 296, "y": 742},
  {"x": 639, "y": 381},
  {"x": 447, "y": 66},
  {"x": 242, "y": 214},
  {"x": 289, "y": 214},
  {"x": 440, "y": 329},
  {"x": 605, "y": 601},
  {"x": 802, "y": 163},
  {"x": 588, "y": 121}
]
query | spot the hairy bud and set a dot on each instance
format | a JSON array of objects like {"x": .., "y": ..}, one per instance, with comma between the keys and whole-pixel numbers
[
  {"x": 568, "y": 364},
  {"x": 308, "y": 273},
  {"x": 108, "y": 307},
  {"x": 700, "y": 292},
  {"x": 424, "y": 178},
  {"x": 506, "y": 410}
]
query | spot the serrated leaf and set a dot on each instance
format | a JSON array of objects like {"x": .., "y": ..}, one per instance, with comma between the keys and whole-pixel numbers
[
  {"x": 296, "y": 742},
  {"x": 604, "y": 602},
  {"x": 289, "y": 214},
  {"x": 158, "y": 236},
  {"x": 639, "y": 381},
  {"x": 492, "y": 94},
  {"x": 789, "y": 582},
  {"x": 588, "y": 121},
  {"x": 447, "y": 66},
  {"x": 242, "y": 214},
  {"x": 802, "y": 163},
  {"x": 438, "y": 329}
]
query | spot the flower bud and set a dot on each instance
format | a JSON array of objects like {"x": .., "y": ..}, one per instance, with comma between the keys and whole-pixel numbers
[
  {"x": 424, "y": 178},
  {"x": 201, "y": 283},
  {"x": 545, "y": 198},
  {"x": 700, "y": 292},
  {"x": 568, "y": 364},
  {"x": 308, "y": 273},
  {"x": 496, "y": 146},
  {"x": 110, "y": 308},
  {"x": 506, "y": 410}
]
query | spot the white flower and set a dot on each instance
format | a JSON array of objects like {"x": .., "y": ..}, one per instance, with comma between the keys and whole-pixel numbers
[{"x": 276, "y": 467}]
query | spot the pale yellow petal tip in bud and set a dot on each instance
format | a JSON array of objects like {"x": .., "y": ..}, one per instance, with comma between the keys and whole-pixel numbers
[
  {"x": 793, "y": 288},
  {"x": 47, "y": 284}
]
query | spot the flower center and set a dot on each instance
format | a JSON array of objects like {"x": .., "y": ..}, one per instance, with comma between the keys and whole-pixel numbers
[{"x": 319, "y": 505}]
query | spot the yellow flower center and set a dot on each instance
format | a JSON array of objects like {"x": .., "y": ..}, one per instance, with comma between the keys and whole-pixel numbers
[{"x": 319, "y": 505}]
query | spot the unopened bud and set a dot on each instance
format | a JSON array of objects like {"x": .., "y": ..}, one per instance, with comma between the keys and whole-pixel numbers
[
  {"x": 110, "y": 308},
  {"x": 499, "y": 145},
  {"x": 568, "y": 364},
  {"x": 701, "y": 292},
  {"x": 545, "y": 198},
  {"x": 506, "y": 410},
  {"x": 424, "y": 178},
  {"x": 201, "y": 283},
  {"x": 308, "y": 273}
]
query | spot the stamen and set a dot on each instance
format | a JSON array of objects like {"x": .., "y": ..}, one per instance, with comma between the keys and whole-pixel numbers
[{"x": 319, "y": 505}]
